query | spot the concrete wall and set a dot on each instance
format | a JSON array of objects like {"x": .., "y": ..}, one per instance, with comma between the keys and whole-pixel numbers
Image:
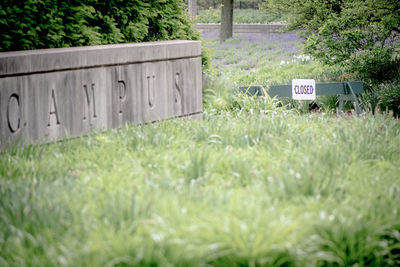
[
  {"x": 243, "y": 28},
  {"x": 52, "y": 94}
]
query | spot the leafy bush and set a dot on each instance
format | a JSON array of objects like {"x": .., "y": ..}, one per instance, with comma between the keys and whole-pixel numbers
[
  {"x": 389, "y": 97},
  {"x": 32, "y": 24},
  {"x": 384, "y": 97},
  {"x": 361, "y": 36}
]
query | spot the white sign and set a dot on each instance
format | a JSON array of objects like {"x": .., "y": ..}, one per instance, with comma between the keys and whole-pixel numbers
[{"x": 303, "y": 89}]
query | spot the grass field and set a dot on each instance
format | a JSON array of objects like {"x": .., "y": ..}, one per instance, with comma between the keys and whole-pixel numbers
[
  {"x": 254, "y": 183},
  {"x": 270, "y": 189}
]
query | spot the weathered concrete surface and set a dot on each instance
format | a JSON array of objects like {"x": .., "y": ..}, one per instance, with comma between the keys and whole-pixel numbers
[
  {"x": 52, "y": 94},
  {"x": 243, "y": 28}
]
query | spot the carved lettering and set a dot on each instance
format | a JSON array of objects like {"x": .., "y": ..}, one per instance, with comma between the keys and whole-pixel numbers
[
  {"x": 178, "y": 90},
  {"x": 53, "y": 111},
  {"x": 151, "y": 90},
  {"x": 14, "y": 113},
  {"x": 122, "y": 94},
  {"x": 90, "y": 111}
]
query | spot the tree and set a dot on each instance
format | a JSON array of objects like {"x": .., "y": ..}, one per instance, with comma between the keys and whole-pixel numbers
[
  {"x": 192, "y": 8},
  {"x": 360, "y": 35},
  {"x": 226, "y": 20}
]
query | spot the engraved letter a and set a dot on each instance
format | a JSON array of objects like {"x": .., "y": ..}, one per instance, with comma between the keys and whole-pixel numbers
[{"x": 53, "y": 108}]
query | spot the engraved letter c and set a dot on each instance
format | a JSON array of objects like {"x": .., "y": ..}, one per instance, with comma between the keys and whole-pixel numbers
[{"x": 13, "y": 113}]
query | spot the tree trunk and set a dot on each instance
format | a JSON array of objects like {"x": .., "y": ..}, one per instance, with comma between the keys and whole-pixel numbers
[
  {"x": 226, "y": 20},
  {"x": 192, "y": 7}
]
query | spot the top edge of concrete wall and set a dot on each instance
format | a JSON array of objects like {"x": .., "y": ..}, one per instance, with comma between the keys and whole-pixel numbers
[{"x": 57, "y": 59}]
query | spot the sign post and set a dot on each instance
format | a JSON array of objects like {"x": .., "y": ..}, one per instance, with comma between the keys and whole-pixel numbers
[{"x": 303, "y": 89}]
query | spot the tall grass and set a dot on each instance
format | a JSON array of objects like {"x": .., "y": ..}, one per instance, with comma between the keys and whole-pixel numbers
[{"x": 264, "y": 189}]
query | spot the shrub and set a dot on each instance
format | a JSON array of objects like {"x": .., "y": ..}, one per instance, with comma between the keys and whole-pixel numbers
[
  {"x": 384, "y": 96},
  {"x": 33, "y": 24},
  {"x": 389, "y": 97},
  {"x": 361, "y": 36}
]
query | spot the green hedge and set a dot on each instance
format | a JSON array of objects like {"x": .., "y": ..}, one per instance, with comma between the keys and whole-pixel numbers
[{"x": 33, "y": 24}]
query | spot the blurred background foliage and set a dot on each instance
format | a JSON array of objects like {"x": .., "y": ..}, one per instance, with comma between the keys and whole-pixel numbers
[
  {"x": 33, "y": 24},
  {"x": 240, "y": 16},
  {"x": 359, "y": 39},
  {"x": 359, "y": 35}
]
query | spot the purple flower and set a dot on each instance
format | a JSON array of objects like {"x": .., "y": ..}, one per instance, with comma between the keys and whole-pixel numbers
[{"x": 209, "y": 34}]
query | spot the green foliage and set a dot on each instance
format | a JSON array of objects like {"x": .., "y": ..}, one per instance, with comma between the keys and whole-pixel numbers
[
  {"x": 383, "y": 97},
  {"x": 32, "y": 24},
  {"x": 361, "y": 36},
  {"x": 206, "y": 4},
  {"x": 210, "y": 15},
  {"x": 247, "y": 4},
  {"x": 213, "y": 15},
  {"x": 389, "y": 97},
  {"x": 255, "y": 16},
  {"x": 206, "y": 58}
]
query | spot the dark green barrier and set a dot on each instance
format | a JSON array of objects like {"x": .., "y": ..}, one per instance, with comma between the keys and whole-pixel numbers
[{"x": 346, "y": 90}]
